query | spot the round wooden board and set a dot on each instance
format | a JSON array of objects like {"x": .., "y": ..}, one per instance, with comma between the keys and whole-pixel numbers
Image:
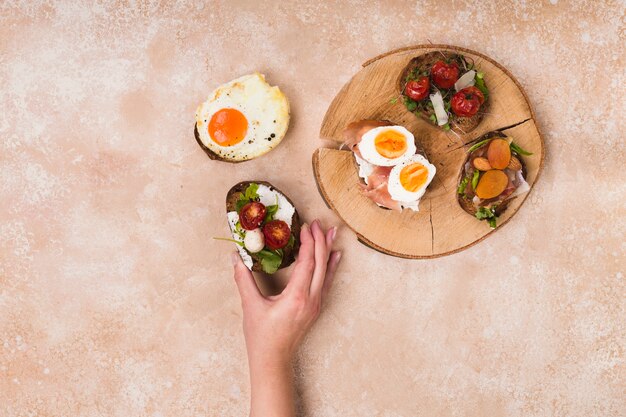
[{"x": 441, "y": 227}]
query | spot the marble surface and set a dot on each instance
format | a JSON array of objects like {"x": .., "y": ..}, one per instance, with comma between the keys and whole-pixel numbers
[{"x": 114, "y": 300}]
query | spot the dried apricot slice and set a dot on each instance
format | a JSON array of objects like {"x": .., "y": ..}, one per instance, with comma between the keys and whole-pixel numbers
[
  {"x": 499, "y": 153},
  {"x": 491, "y": 184},
  {"x": 482, "y": 164}
]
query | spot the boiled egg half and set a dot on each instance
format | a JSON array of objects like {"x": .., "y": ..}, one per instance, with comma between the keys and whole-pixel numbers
[
  {"x": 387, "y": 145},
  {"x": 408, "y": 180}
]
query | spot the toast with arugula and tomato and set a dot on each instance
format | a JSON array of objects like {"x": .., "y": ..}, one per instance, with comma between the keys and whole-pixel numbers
[
  {"x": 265, "y": 225},
  {"x": 446, "y": 89}
]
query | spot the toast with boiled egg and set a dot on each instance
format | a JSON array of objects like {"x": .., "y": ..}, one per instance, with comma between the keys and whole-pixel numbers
[
  {"x": 264, "y": 224},
  {"x": 242, "y": 119},
  {"x": 394, "y": 170},
  {"x": 446, "y": 89},
  {"x": 493, "y": 174}
]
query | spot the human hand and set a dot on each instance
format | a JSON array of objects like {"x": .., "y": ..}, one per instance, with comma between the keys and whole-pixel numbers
[{"x": 274, "y": 326}]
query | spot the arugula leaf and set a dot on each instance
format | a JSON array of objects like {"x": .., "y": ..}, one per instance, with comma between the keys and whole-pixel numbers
[
  {"x": 475, "y": 178},
  {"x": 488, "y": 214},
  {"x": 239, "y": 230},
  {"x": 462, "y": 186},
  {"x": 229, "y": 240},
  {"x": 292, "y": 241},
  {"x": 410, "y": 104},
  {"x": 433, "y": 118},
  {"x": 480, "y": 84},
  {"x": 270, "y": 260},
  {"x": 249, "y": 195},
  {"x": 477, "y": 145},
  {"x": 446, "y": 126},
  {"x": 270, "y": 211},
  {"x": 520, "y": 151}
]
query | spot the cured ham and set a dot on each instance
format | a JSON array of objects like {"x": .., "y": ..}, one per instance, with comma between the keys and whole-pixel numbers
[{"x": 376, "y": 188}]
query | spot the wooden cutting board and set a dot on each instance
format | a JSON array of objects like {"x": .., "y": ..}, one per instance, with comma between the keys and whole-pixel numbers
[{"x": 441, "y": 227}]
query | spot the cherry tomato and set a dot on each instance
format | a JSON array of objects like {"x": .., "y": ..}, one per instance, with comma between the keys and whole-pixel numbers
[
  {"x": 466, "y": 102},
  {"x": 417, "y": 89},
  {"x": 445, "y": 75},
  {"x": 251, "y": 215},
  {"x": 276, "y": 234}
]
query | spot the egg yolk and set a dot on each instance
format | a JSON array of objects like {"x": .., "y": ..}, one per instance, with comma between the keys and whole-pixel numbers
[
  {"x": 413, "y": 176},
  {"x": 228, "y": 127},
  {"x": 390, "y": 144}
]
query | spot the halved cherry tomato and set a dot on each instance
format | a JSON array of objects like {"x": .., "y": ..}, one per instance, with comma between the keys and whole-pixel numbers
[
  {"x": 466, "y": 102},
  {"x": 417, "y": 89},
  {"x": 276, "y": 234},
  {"x": 445, "y": 75},
  {"x": 251, "y": 215}
]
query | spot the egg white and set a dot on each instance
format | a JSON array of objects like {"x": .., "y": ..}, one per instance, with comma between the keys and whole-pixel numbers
[
  {"x": 401, "y": 194},
  {"x": 369, "y": 153},
  {"x": 265, "y": 107}
]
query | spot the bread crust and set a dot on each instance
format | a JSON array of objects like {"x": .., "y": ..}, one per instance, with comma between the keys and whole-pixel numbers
[
  {"x": 465, "y": 203},
  {"x": 209, "y": 152},
  {"x": 289, "y": 254},
  {"x": 459, "y": 124}
]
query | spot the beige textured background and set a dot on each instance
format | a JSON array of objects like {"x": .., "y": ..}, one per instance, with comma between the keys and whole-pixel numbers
[{"x": 114, "y": 300}]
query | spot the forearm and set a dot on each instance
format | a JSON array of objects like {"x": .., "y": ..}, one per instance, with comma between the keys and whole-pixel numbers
[{"x": 272, "y": 392}]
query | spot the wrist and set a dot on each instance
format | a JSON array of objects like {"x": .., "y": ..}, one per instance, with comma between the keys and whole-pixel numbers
[{"x": 270, "y": 363}]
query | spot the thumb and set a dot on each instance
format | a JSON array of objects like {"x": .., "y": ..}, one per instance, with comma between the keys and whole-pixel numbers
[{"x": 248, "y": 290}]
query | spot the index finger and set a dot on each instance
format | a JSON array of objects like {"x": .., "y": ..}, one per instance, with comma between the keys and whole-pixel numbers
[{"x": 303, "y": 271}]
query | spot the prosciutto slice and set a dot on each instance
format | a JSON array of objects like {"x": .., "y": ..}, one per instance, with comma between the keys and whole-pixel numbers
[{"x": 376, "y": 188}]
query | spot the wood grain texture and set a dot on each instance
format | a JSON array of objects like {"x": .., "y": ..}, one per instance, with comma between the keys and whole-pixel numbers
[{"x": 441, "y": 227}]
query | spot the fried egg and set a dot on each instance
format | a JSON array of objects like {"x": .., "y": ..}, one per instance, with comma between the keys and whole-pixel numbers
[
  {"x": 408, "y": 180},
  {"x": 243, "y": 119},
  {"x": 387, "y": 145}
]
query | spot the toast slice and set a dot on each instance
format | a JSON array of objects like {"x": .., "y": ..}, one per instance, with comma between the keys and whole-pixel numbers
[
  {"x": 422, "y": 64},
  {"x": 465, "y": 192},
  {"x": 289, "y": 252}
]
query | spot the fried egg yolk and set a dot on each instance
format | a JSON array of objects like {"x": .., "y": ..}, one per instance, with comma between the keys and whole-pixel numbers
[
  {"x": 228, "y": 127},
  {"x": 413, "y": 177},
  {"x": 390, "y": 144}
]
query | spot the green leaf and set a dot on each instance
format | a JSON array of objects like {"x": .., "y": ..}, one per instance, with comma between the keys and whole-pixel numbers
[
  {"x": 292, "y": 241},
  {"x": 270, "y": 212},
  {"x": 270, "y": 260},
  {"x": 462, "y": 186},
  {"x": 239, "y": 230},
  {"x": 446, "y": 126},
  {"x": 480, "y": 84},
  {"x": 433, "y": 118},
  {"x": 520, "y": 151},
  {"x": 488, "y": 214},
  {"x": 411, "y": 105},
  {"x": 480, "y": 75},
  {"x": 477, "y": 145},
  {"x": 247, "y": 196},
  {"x": 394, "y": 100},
  {"x": 229, "y": 240},
  {"x": 475, "y": 178}
]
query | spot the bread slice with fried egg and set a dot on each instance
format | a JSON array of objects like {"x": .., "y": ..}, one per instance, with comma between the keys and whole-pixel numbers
[{"x": 242, "y": 119}]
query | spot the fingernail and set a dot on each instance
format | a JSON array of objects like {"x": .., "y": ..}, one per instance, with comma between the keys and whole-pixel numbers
[
  {"x": 305, "y": 226},
  {"x": 234, "y": 258},
  {"x": 338, "y": 257},
  {"x": 333, "y": 233}
]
